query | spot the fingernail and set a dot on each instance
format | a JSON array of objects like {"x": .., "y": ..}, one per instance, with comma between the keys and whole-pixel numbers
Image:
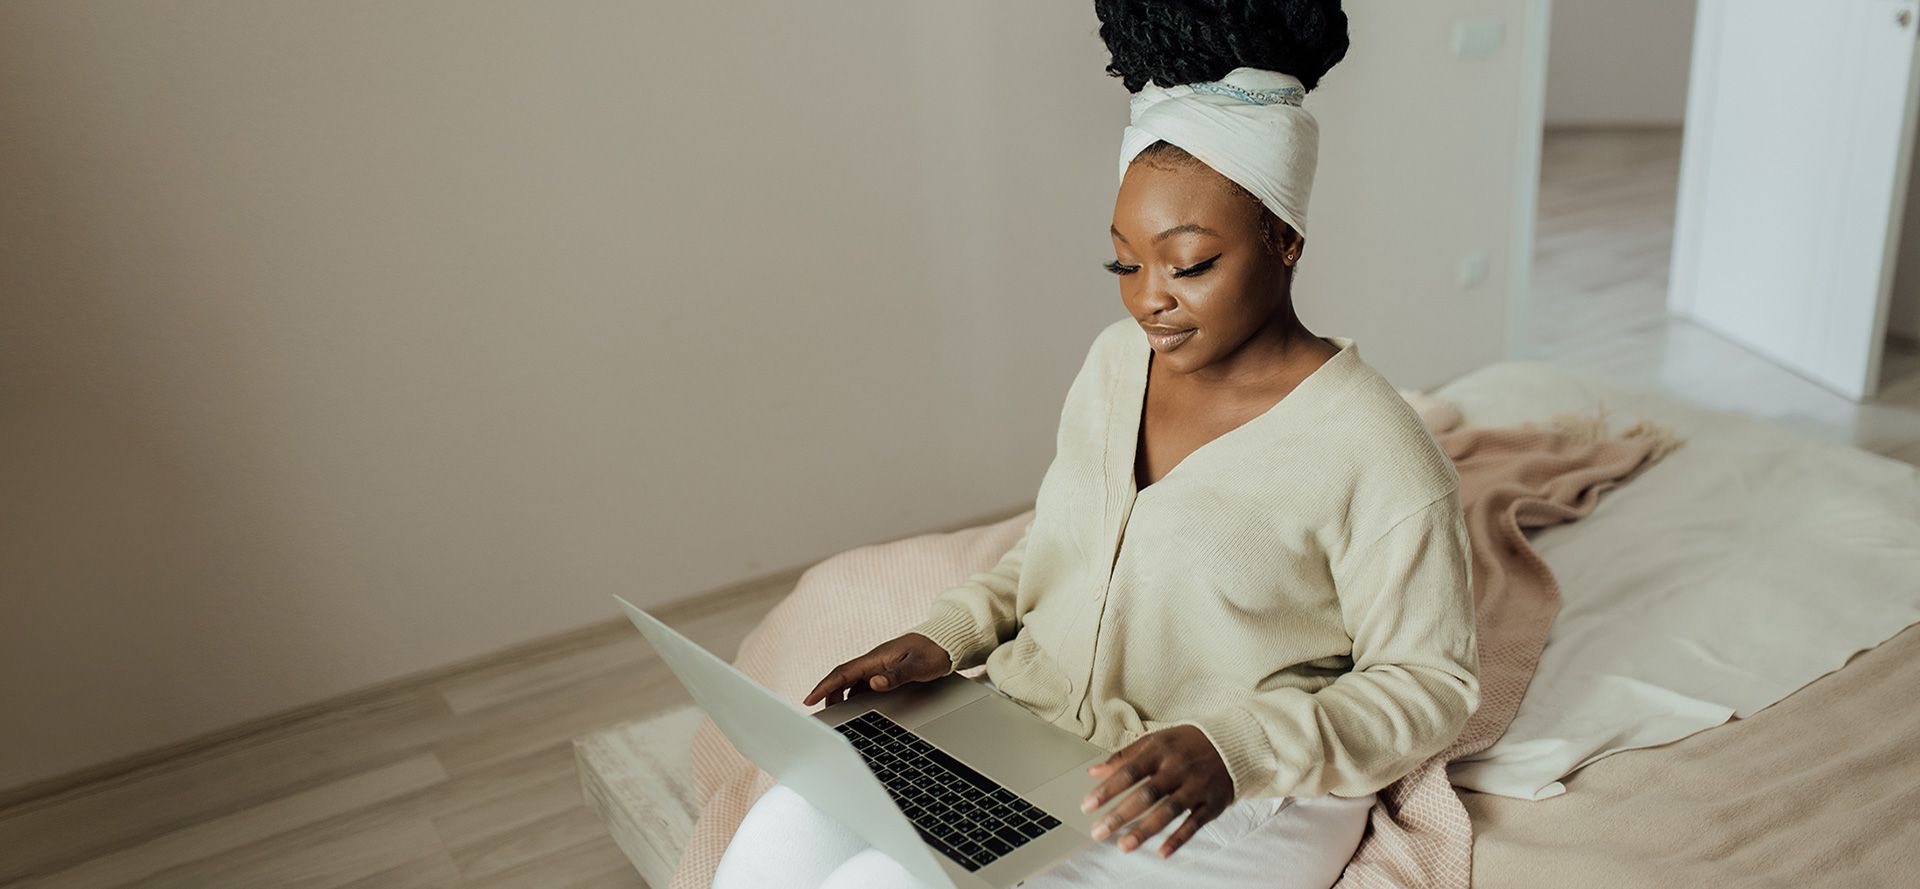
[
  {"x": 1100, "y": 831},
  {"x": 1127, "y": 843},
  {"x": 1086, "y": 805}
]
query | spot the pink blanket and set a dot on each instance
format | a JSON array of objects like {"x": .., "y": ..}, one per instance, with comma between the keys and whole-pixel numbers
[{"x": 1419, "y": 834}]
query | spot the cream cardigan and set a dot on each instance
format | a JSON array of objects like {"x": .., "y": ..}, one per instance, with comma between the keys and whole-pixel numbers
[{"x": 1298, "y": 588}]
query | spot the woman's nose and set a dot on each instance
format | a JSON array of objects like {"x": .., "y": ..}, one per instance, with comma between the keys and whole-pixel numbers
[{"x": 1155, "y": 299}]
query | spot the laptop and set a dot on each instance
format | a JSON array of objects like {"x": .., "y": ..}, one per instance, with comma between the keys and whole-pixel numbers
[{"x": 953, "y": 779}]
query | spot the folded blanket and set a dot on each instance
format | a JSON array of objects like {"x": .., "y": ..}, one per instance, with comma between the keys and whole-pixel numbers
[{"x": 1511, "y": 478}]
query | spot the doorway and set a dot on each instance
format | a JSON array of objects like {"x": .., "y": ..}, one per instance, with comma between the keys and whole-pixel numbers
[{"x": 1609, "y": 192}]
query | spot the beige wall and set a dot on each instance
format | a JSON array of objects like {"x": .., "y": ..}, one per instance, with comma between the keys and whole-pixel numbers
[
  {"x": 1619, "y": 62},
  {"x": 1903, "y": 315},
  {"x": 339, "y": 341}
]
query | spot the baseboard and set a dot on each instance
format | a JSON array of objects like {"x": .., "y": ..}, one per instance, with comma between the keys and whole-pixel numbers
[{"x": 1634, "y": 126}]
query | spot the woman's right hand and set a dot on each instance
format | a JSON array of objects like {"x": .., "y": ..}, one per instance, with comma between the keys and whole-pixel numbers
[{"x": 908, "y": 658}]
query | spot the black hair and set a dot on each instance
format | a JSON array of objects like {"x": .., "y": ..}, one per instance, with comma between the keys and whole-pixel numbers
[{"x": 1175, "y": 42}]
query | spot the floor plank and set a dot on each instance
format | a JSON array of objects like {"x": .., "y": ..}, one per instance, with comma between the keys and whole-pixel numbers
[
  {"x": 328, "y": 855},
  {"x": 48, "y": 834},
  {"x": 237, "y": 830},
  {"x": 431, "y": 871}
]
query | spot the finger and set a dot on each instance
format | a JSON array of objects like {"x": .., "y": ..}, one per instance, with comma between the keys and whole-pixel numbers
[
  {"x": 1137, "y": 763},
  {"x": 823, "y": 688},
  {"x": 837, "y": 679},
  {"x": 1197, "y": 816},
  {"x": 876, "y": 674},
  {"x": 888, "y": 673},
  {"x": 1129, "y": 807},
  {"x": 1156, "y": 820}
]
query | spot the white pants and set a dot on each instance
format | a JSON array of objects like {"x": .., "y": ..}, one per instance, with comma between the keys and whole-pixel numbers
[{"x": 1266, "y": 842}]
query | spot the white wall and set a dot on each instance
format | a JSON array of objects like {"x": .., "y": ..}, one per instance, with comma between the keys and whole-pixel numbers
[
  {"x": 341, "y": 341},
  {"x": 1408, "y": 186},
  {"x": 1619, "y": 62}
]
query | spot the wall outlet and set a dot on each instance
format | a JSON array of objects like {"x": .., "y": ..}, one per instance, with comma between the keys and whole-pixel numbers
[
  {"x": 1478, "y": 38},
  {"x": 1471, "y": 271}
]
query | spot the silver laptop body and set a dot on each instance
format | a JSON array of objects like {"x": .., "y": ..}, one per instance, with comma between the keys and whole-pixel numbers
[{"x": 1042, "y": 764}]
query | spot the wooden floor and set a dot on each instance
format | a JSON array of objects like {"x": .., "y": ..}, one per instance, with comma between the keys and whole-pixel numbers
[
  {"x": 1599, "y": 301},
  {"x": 460, "y": 780},
  {"x": 465, "y": 778}
]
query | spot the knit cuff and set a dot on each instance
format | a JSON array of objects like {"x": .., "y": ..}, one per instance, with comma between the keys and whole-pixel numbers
[
  {"x": 1243, "y": 744},
  {"x": 954, "y": 629}
]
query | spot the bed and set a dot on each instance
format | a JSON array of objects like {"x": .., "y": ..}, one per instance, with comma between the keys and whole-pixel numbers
[{"x": 1801, "y": 767}]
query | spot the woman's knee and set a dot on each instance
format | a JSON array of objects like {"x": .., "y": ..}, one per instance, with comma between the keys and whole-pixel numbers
[
  {"x": 779, "y": 803},
  {"x": 785, "y": 838},
  {"x": 872, "y": 869}
]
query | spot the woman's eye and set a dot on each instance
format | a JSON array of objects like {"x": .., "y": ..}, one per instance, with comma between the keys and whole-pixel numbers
[
  {"x": 1188, "y": 272},
  {"x": 1196, "y": 268}
]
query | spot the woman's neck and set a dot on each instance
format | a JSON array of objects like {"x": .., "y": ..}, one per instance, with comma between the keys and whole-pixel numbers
[{"x": 1276, "y": 357}]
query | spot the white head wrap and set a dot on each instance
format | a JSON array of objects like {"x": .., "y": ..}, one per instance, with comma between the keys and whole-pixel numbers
[{"x": 1248, "y": 126}]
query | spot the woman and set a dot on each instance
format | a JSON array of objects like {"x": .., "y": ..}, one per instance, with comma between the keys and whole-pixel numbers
[{"x": 1247, "y": 572}]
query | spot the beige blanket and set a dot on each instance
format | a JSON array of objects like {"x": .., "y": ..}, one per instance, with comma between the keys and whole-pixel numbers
[{"x": 1420, "y": 834}]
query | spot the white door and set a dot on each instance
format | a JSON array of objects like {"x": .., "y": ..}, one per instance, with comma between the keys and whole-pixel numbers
[{"x": 1800, "y": 122}]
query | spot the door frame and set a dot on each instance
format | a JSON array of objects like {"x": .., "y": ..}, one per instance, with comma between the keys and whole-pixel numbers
[{"x": 1526, "y": 171}]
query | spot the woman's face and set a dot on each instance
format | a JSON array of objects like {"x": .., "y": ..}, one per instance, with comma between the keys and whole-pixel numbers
[{"x": 1190, "y": 258}]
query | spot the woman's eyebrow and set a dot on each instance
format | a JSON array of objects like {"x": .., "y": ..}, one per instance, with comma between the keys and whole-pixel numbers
[{"x": 1183, "y": 228}]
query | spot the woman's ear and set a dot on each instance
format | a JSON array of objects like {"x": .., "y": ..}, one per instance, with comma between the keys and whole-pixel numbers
[
  {"x": 1279, "y": 238},
  {"x": 1291, "y": 244}
]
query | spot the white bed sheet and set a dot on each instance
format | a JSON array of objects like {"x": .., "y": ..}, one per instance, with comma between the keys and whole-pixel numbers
[{"x": 1746, "y": 564}]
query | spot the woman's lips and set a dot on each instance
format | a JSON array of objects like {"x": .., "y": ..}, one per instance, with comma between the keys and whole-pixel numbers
[{"x": 1163, "y": 342}]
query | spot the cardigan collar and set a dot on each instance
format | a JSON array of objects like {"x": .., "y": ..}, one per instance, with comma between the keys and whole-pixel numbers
[{"x": 1126, "y": 403}]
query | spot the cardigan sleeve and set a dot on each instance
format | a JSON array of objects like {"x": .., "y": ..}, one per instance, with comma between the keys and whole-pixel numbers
[
  {"x": 972, "y": 619},
  {"x": 1407, "y": 602}
]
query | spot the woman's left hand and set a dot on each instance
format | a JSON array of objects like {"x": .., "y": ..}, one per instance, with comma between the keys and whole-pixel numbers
[{"x": 1183, "y": 772}]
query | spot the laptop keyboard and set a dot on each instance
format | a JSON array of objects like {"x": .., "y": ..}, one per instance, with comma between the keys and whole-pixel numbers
[{"x": 957, "y": 810}]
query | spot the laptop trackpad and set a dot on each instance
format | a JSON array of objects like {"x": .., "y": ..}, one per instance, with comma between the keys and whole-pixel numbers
[{"x": 1005, "y": 742}]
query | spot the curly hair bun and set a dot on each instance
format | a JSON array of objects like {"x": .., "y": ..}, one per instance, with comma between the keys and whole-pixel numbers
[{"x": 1175, "y": 42}]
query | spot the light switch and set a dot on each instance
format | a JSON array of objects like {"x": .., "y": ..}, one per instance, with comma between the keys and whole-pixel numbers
[{"x": 1478, "y": 38}]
